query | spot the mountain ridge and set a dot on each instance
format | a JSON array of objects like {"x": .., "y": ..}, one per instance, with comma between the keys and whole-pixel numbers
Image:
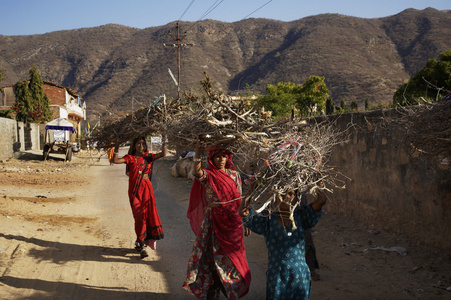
[{"x": 112, "y": 64}]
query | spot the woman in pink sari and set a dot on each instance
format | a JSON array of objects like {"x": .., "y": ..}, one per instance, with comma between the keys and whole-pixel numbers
[{"x": 218, "y": 259}]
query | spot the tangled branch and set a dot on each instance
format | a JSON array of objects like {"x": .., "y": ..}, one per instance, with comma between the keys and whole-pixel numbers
[
  {"x": 216, "y": 118},
  {"x": 426, "y": 128},
  {"x": 143, "y": 122},
  {"x": 290, "y": 154}
]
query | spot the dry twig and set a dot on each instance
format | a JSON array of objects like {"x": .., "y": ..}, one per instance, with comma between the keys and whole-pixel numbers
[{"x": 426, "y": 128}]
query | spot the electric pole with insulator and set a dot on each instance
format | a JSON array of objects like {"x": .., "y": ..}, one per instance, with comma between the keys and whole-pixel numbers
[{"x": 178, "y": 39}]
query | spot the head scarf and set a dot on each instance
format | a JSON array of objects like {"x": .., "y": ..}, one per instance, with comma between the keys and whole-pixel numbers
[{"x": 221, "y": 183}]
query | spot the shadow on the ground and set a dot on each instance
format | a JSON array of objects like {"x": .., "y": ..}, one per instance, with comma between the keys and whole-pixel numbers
[
  {"x": 38, "y": 156},
  {"x": 65, "y": 290},
  {"x": 61, "y": 253}
]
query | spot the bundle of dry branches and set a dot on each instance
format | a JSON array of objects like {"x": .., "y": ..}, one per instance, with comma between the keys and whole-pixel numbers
[
  {"x": 290, "y": 154},
  {"x": 143, "y": 122},
  {"x": 215, "y": 118},
  {"x": 427, "y": 127},
  {"x": 296, "y": 159}
]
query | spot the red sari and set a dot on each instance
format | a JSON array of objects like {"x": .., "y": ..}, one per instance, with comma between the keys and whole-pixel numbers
[
  {"x": 219, "y": 246},
  {"x": 142, "y": 199}
]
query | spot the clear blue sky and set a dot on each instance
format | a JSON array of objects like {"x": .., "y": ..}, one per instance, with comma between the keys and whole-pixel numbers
[{"x": 25, "y": 17}]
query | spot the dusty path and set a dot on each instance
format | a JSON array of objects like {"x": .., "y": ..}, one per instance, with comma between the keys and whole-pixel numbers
[
  {"x": 66, "y": 232},
  {"x": 76, "y": 241}
]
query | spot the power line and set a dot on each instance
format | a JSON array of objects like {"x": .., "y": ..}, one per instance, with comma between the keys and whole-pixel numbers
[
  {"x": 212, "y": 7},
  {"x": 186, "y": 9},
  {"x": 206, "y": 13},
  {"x": 257, "y": 9}
]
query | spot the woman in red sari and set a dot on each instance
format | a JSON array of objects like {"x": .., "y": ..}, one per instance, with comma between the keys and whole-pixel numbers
[
  {"x": 218, "y": 259},
  {"x": 148, "y": 227}
]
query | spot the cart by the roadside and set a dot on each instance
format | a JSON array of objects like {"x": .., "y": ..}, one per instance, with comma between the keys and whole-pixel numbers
[{"x": 57, "y": 139}]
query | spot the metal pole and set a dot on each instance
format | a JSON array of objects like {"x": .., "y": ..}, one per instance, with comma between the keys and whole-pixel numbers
[{"x": 178, "y": 60}]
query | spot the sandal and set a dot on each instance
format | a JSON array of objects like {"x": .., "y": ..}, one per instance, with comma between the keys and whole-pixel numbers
[
  {"x": 138, "y": 246},
  {"x": 144, "y": 253}
]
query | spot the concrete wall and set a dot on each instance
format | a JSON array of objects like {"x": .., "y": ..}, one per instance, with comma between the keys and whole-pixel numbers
[
  {"x": 15, "y": 137},
  {"x": 35, "y": 136},
  {"x": 8, "y": 138},
  {"x": 391, "y": 186}
]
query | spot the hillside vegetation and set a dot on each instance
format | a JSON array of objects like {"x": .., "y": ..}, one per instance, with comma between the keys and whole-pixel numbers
[{"x": 110, "y": 65}]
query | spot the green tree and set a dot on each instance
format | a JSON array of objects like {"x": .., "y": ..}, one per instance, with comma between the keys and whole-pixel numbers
[
  {"x": 313, "y": 95},
  {"x": 329, "y": 106},
  {"x": 343, "y": 105},
  {"x": 432, "y": 82},
  {"x": 24, "y": 104},
  {"x": 354, "y": 105},
  {"x": 280, "y": 98},
  {"x": 367, "y": 103},
  {"x": 32, "y": 104}
]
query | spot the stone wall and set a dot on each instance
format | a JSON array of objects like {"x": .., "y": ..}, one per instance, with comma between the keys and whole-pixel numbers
[{"x": 391, "y": 186}]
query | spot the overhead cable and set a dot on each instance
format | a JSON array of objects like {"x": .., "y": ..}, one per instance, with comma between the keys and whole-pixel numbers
[
  {"x": 257, "y": 9},
  {"x": 186, "y": 9},
  {"x": 212, "y": 7}
]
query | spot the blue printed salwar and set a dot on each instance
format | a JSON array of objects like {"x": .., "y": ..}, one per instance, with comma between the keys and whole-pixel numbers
[{"x": 288, "y": 276}]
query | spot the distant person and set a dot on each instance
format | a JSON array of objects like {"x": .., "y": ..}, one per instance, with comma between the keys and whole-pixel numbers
[
  {"x": 288, "y": 276},
  {"x": 148, "y": 227},
  {"x": 218, "y": 259},
  {"x": 110, "y": 151}
]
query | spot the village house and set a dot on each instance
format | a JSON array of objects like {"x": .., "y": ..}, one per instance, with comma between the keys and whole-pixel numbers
[{"x": 64, "y": 103}]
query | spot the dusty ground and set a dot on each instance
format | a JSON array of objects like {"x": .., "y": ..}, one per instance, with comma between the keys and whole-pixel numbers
[{"x": 56, "y": 243}]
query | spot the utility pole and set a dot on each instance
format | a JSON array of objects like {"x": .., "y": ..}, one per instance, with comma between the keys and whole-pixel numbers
[{"x": 178, "y": 39}]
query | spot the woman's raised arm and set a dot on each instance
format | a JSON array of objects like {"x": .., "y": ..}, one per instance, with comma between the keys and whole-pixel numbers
[
  {"x": 197, "y": 166},
  {"x": 164, "y": 148},
  {"x": 117, "y": 160}
]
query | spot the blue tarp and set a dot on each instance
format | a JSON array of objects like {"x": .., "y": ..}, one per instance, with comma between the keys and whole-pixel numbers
[{"x": 60, "y": 124}]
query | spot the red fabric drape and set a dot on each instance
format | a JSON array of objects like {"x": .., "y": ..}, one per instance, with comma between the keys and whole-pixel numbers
[
  {"x": 226, "y": 221},
  {"x": 142, "y": 199}
]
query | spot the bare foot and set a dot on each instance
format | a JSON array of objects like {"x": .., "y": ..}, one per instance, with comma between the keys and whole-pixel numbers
[{"x": 315, "y": 276}]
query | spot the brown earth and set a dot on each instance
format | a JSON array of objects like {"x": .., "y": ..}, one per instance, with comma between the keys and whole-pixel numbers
[{"x": 63, "y": 236}]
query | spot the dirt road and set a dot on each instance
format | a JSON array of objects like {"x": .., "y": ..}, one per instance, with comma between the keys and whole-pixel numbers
[{"x": 66, "y": 232}]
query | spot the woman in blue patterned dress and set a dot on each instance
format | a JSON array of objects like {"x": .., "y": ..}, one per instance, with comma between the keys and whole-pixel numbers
[{"x": 288, "y": 276}]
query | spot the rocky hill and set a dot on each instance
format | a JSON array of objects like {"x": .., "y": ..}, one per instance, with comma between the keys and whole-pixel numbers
[{"x": 110, "y": 65}]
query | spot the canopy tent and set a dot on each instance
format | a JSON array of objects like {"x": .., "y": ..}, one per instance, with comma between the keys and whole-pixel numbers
[{"x": 60, "y": 124}]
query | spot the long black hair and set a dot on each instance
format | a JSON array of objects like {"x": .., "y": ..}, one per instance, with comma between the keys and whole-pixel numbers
[{"x": 133, "y": 145}]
